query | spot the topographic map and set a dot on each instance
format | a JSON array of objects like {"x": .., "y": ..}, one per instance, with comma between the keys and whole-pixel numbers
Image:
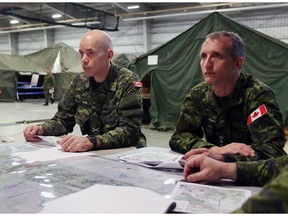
[{"x": 198, "y": 198}]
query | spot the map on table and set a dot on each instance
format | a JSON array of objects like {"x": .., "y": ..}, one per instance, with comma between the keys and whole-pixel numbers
[{"x": 199, "y": 198}]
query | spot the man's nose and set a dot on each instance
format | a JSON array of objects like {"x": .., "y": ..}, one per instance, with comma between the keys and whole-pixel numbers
[
  {"x": 207, "y": 62},
  {"x": 84, "y": 59}
]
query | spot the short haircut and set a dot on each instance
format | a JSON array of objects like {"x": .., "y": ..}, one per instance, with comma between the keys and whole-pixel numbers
[{"x": 236, "y": 43}]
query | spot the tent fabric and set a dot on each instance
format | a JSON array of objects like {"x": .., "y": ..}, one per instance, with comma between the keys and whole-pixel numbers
[
  {"x": 18, "y": 63},
  {"x": 178, "y": 68},
  {"x": 10, "y": 65},
  {"x": 46, "y": 57},
  {"x": 8, "y": 86}
]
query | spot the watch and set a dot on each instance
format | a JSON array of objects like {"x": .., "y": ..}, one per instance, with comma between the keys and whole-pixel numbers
[{"x": 93, "y": 140}]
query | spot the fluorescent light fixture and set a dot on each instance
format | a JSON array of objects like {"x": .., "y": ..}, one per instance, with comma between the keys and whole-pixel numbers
[
  {"x": 55, "y": 16},
  {"x": 133, "y": 7},
  {"x": 14, "y": 21},
  {"x": 86, "y": 23}
]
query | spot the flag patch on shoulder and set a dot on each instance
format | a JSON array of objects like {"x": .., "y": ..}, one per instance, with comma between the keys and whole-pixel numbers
[
  {"x": 138, "y": 84},
  {"x": 260, "y": 111}
]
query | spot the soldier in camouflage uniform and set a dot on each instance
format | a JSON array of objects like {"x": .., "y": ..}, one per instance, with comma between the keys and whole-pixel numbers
[
  {"x": 236, "y": 113},
  {"x": 105, "y": 102},
  {"x": 48, "y": 85},
  {"x": 272, "y": 174}
]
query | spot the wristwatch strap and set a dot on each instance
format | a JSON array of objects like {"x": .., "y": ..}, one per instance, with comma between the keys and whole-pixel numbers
[{"x": 93, "y": 140}]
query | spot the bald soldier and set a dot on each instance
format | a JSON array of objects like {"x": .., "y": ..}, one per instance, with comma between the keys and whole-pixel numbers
[{"x": 105, "y": 101}]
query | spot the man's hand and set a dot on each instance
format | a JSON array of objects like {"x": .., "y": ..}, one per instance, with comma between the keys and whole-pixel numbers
[
  {"x": 204, "y": 151},
  {"x": 218, "y": 152},
  {"x": 233, "y": 148},
  {"x": 31, "y": 133},
  {"x": 73, "y": 143},
  {"x": 202, "y": 168}
]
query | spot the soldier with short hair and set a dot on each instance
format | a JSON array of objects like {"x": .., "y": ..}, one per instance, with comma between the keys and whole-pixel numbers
[
  {"x": 105, "y": 101},
  {"x": 236, "y": 114}
]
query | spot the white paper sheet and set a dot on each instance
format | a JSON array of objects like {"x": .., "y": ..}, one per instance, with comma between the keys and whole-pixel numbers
[
  {"x": 152, "y": 60},
  {"x": 110, "y": 199},
  {"x": 47, "y": 154}
]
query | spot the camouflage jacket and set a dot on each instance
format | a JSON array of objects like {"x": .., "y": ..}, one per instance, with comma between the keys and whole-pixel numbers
[
  {"x": 49, "y": 81},
  {"x": 224, "y": 120},
  {"x": 112, "y": 110},
  {"x": 273, "y": 174}
]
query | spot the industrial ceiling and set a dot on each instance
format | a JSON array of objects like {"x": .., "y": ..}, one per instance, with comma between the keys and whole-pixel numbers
[{"x": 105, "y": 16}]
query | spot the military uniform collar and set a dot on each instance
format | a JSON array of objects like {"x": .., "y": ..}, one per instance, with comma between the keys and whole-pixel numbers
[
  {"x": 109, "y": 83},
  {"x": 237, "y": 93}
]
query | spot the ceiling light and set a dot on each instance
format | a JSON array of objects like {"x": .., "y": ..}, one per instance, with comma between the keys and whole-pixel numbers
[
  {"x": 86, "y": 23},
  {"x": 133, "y": 7},
  {"x": 55, "y": 16},
  {"x": 14, "y": 21}
]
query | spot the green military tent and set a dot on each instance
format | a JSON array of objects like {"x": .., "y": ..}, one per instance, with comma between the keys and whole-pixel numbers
[
  {"x": 59, "y": 57},
  {"x": 10, "y": 65},
  {"x": 178, "y": 69}
]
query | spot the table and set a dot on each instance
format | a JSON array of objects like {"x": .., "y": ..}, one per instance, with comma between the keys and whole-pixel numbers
[{"x": 25, "y": 187}]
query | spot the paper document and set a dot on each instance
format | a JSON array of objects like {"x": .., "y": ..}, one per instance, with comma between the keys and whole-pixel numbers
[
  {"x": 198, "y": 198},
  {"x": 49, "y": 140},
  {"x": 47, "y": 154},
  {"x": 161, "y": 160},
  {"x": 110, "y": 199}
]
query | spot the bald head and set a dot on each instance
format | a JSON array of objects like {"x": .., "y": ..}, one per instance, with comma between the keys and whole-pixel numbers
[
  {"x": 98, "y": 38},
  {"x": 96, "y": 54}
]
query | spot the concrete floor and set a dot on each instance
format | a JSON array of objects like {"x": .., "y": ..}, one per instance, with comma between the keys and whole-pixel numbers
[{"x": 15, "y": 116}]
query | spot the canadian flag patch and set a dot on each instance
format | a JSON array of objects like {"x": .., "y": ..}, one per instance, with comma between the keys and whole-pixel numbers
[
  {"x": 260, "y": 111},
  {"x": 138, "y": 84}
]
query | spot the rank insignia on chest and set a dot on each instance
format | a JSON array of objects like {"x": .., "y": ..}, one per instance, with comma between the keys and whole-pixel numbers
[
  {"x": 260, "y": 111},
  {"x": 138, "y": 84}
]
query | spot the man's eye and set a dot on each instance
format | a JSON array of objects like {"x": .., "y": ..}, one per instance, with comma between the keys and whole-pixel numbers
[{"x": 202, "y": 56}]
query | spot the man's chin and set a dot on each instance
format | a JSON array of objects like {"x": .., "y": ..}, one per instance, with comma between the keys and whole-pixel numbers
[{"x": 89, "y": 74}]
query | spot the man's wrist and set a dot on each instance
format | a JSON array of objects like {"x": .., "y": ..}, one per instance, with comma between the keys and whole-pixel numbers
[
  {"x": 93, "y": 140},
  {"x": 230, "y": 171}
]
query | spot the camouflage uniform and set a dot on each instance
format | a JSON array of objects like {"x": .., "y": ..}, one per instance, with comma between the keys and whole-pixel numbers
[
  {"x": 112, "y": 110},
  {"x": 48, "y": 83},
  {"x": 224, "y": 120},
  {"x": 273, "y": 173}
]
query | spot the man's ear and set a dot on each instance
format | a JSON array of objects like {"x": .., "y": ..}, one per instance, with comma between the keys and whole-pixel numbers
[
  {"x": 239, "y": 62},
  {"x": 110, "y": 54}
]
